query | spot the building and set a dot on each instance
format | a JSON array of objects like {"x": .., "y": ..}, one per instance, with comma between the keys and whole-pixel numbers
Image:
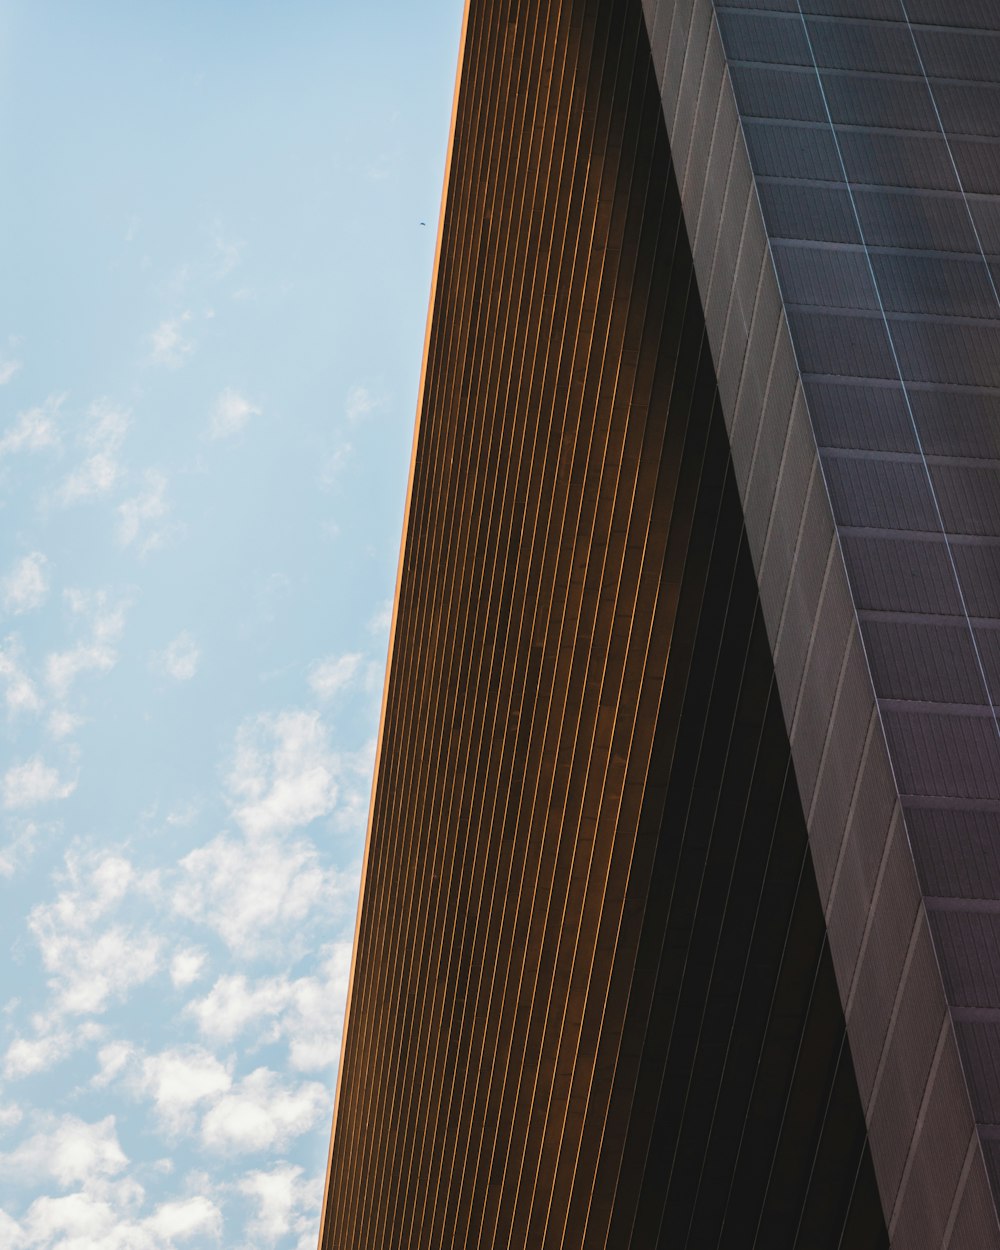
[{"x": 680, "y": 922}]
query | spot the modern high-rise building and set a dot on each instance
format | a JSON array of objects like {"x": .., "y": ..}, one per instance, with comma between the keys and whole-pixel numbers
[{"x": 680, "y": 917}]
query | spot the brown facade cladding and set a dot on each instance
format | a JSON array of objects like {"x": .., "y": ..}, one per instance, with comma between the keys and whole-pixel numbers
[{"x": 660, "y": 944}]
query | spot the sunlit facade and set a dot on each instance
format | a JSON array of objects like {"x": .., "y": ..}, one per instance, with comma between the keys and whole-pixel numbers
[{"x": 680, "y": 922}]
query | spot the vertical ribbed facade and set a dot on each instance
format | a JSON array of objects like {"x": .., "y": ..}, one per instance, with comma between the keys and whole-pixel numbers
[{"x": 680, "y": 918}]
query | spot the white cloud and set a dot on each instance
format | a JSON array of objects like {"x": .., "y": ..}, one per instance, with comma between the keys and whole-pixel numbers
[
  {"x": 11, "y": 1233},
  {"x": 382, "y": 620},
  {"x": 90, "y": 961},
  {"x": 106, "y": 621},
  {"x": 284, "y": 1203},
  {"x": 168, "y": 346},
  {"x": 312, "y": 1025},
  {"x": 19, "y": 847},
  {"x": 352, "y": 814},
  {"x": 187, "y": 966},
  {"x": 334, "y": 464},
  {"x": 328, "y": 676},
  {"x": 107, "y": 426},
  {"x": 34, "y": 429},
  {"x": 178, "y": 1082},
  {"x": 20, "y": 694},
  {"x": 63, "y": 723},
  {"x": 137, "y": 516},
  {"x": 70, "y": 1151},
  {"x": 228, "y": 251},
  {"x": 257, "y": 895},
  {"x": 51, "y": 1044},
  {"x": 10, "y": 1115},
  {"x": 181, "y": 817},
  {"x": 79, "y": 1221},
  {"x": 230, "y": 413},
  {"x": 304, "y": 1011},
  {"x": 28, "y": 1055},
  {"x": 95, "y": 888},
  {"x": 99, "y": 654},
  {"x": 99, "y": 1217},
  {"x": 8, "y": 368},
  {"x": 75, "y": 1220},
  {"x": 262, "y": 1113},
  {"x": 362, "y": 761},
  {"x": 95, "y": 476},
  {"x": 26, "y": 586},
  {"x": 360, "y": 402},
  {"x": 233, "y": 1003},
  {"x": 100, "y": 468},
  {"x": 113, "y": 1059},
  {"x": 62, "y": 668},
  {"x": 102, "y": 1216},
  {"x": 32, "y": 783},
  {"x": 179, "y": 659},
  {"x": 186, "y": 1218},
  {"x": 283, "y": 774},
  {"x": 117, "y": 960}
]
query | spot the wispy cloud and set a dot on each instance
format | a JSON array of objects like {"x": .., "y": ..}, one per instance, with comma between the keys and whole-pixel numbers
[
  {"x": 95, "y": 476},
  {"x": 192, "y": 1091},
  {"x": 99, "y": 653},
  {"x": 228, "y": 251},
  {"x": 103, "y": 1215},
  {"x": 185, "y": 1219},
  {"x": 50, "y": 1044},
  {"x": 62, "y": 723},
  {"x": 26, "y": 586},
  {"x": 306, "y": 1011},
  {"x": 262, "y": 1112},
  {"x": 360, "y": 403},
  {"x": 230, "y": 413},
  {"x": 10, "y": 1114},
  {"x": 259, "y": 896},
  {"x": 62, "y": 668},
  {"x": 328, "y": 677},
  {"x": 10, "y": 364},
  {"x": 20, "y": 694},
  {"x": 234, "y": 1003},
  {"x": 138, "y": 517},
  {"x": 187, "y": 966},
  {"x": 285, "y": 1203},
  {"x": 103, "y": 1205},
  {"x": 34, "y": 783},
  {"x": 92, "y": 955},
  {"x": 100, "y": 468},
  {"x": 334, "y": 464},
  {"x": 167, "y": 343},
  {"x": 20, "y": 845},
  {"x": 178, "y": 1082},
  {"x": 284, "y": 772},
  {"x": 382, "y": 620},
  {"x": 68, "y": 1150},
  {"x": 35, "y": 429},
  {"x": 179, "y": 658}
]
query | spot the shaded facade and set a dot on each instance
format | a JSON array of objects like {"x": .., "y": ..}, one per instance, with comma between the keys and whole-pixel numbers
[{"x": 680, "y": 918}]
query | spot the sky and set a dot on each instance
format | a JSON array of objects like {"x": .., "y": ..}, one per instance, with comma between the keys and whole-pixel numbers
[{"x": 213, "y": 289}]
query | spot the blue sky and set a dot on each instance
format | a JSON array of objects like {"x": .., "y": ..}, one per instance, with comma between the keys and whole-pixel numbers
[{"x": 213, "y": 288}]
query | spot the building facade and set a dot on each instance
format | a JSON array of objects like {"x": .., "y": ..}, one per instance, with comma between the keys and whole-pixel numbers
[{"x": 680, "y": 916}]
